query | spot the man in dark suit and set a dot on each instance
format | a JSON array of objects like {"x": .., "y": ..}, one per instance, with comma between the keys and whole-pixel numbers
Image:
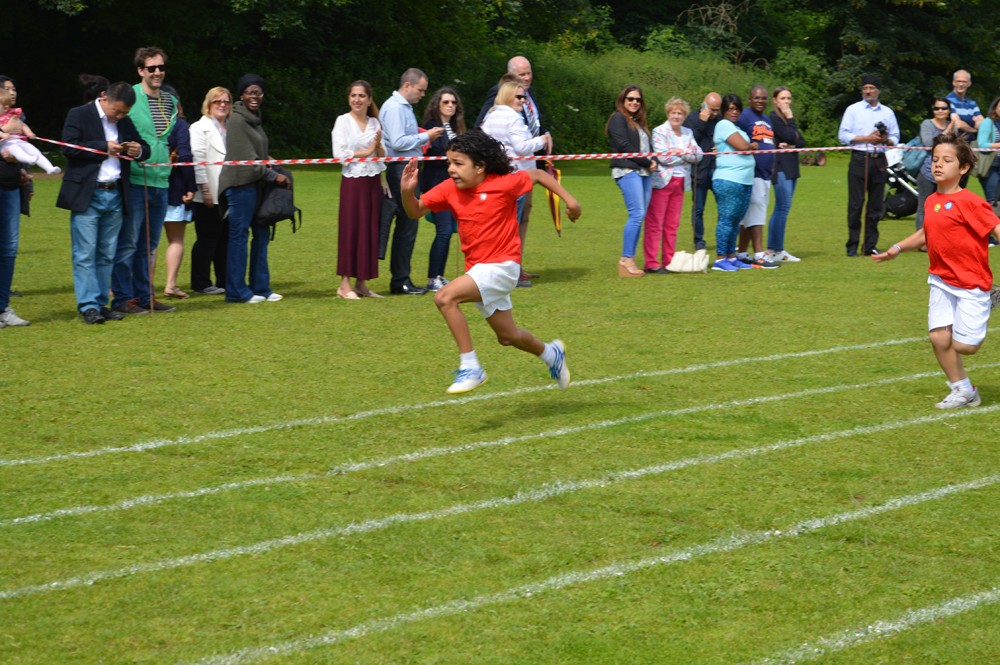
[
  {"x": 94, "y": 190},
  {"x": 520, "y": 67}
]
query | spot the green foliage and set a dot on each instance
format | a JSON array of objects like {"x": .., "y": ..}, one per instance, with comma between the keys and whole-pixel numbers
[{"x": 803, "y": 73}]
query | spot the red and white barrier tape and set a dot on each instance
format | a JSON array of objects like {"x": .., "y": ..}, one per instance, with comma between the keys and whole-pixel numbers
[{"x": 576, "y": 157}]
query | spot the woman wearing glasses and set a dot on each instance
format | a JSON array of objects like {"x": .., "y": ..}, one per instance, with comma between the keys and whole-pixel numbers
[
  {"x": 939, "y": 123},
  {"x": 505, "y": 122},
  {"x": 246, "y": 140},
  {"x": 208, "y": 144},
  {"x": 628, "y": 132},
  {"x": 444, "y": 110}
]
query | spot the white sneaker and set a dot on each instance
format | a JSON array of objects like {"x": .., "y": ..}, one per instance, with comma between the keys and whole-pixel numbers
[
  {"x": 9, "y": 318},
  {"x": 559, "y": 370},
  {"x": 256, "y": 299},
  {"x": 960, "y": 398},
  {"x": 466, "y": 380},
  {"x": 275, "y": 297},
  {"x": 784, "y": 256}
]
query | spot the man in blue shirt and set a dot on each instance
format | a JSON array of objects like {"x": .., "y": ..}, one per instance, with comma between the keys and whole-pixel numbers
[
  {"x": 402, "y": 137},
  {"x": 868, "y": 127},
  {"x": 965, "y": 111}
]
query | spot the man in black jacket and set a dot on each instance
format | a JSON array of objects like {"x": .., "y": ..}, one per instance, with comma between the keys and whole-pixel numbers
[
  {"x": 702, "y": 123},
  {"x": 94, "y": 190}
]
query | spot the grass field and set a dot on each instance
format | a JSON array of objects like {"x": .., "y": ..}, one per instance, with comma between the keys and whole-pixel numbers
[{"x": 748, "y": 468}]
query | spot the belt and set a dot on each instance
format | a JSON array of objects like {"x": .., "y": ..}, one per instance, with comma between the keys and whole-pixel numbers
[{"x": 110, "y": 186}]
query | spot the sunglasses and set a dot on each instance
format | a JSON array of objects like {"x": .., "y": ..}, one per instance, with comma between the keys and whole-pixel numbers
[
  {"x": 633, "y": 99},
  {"x": 942, "y": 108},
  {"x": 221, "y": 102},
  {"x": 452, "y": 101},
  {"x": 155, "y": 68},
  {"x": 521, "y": 97}
]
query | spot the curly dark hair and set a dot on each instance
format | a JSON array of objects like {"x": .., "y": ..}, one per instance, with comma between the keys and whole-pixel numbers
[{"x": 483, "y": 150}]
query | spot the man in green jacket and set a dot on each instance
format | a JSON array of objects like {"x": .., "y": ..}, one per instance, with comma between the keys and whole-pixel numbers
[{"x": 153, "y": 115}]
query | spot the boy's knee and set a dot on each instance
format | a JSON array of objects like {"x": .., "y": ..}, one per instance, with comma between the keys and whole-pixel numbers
[{"x": 506, "y": 338}]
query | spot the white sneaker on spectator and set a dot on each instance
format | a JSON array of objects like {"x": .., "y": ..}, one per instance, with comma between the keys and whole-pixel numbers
[
  {"x": 9, "y": 318},
  {"x": 784, "y": 256}
]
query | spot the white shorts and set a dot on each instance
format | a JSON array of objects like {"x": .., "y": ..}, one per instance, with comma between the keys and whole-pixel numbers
[
  {"x": 967, "y": 312},
  {"x": 757, "y": 212},
  {"x": 177, "y": 214},
  {"x": 496, "y": 281}
]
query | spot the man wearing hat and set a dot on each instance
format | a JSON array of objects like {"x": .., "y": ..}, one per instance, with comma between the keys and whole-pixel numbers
[{"x": 868, "y": 127}]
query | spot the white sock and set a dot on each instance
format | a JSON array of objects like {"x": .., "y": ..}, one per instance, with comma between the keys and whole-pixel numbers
[
  {"x": 468, "y": 361},
  {"x": 759, "y": 255},
  {"x": 965, "y": 384},
  {"x": 742, "y": 256},
  {"x": 548, "y": 356}
]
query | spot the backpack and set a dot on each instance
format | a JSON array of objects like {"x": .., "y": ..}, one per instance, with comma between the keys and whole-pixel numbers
[
  {"x": 277, "y": 203},
  {"x": 914, "y": 159}
]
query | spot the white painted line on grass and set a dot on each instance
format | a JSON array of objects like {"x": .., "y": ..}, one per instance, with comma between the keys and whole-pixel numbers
[
  {"x": 457, "y": 607},
  {"x": 882, "y": 629},
  {"x": 429, "y": 453},
  {"x": 540, "y": 493},
  {"x": 396, "y": 410}
]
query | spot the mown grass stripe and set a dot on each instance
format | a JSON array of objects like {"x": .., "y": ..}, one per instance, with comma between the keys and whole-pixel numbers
[
  {"x": 429, "y": 453},
  {"x": 557, "y": 582},
  {"x": 396, "y": 410}
]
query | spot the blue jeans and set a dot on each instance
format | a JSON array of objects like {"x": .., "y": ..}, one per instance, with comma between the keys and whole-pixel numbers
[
  {"x": 242, "y": 205},
  {"x": 444, "y": 222},
  {"x": 10, "y": 231},
  {"x": 636, "y": 190},
  {"x": 94, "y": 237},
  {"x": 784, "y": 190},
  {"x": 991, "y": 181},
  {"x": 130, "y": 277}
]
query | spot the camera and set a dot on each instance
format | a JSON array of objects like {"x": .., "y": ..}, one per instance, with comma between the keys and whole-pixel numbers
[{"x": 882, "y": 130}]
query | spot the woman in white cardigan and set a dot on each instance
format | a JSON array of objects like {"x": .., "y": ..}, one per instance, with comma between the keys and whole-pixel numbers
[
  {"x": 505, "y": 122},
  {"x": 208, "y": 144},
  {"x": 358, "y": 134}
]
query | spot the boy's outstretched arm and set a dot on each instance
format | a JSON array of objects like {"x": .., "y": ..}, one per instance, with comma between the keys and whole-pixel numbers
[
  {"x": 407, "y": 184},
  {"x": 548, "y": 182}
]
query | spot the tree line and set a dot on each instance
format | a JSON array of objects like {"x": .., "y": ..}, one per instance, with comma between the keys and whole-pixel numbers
[{"x": 584, "y": 52}]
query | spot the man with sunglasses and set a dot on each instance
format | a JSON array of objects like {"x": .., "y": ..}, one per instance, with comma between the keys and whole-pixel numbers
[{"x": 153, "y": 115}]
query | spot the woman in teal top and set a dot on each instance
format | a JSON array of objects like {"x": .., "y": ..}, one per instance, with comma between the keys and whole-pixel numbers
[{"x": 732, "y": 183}]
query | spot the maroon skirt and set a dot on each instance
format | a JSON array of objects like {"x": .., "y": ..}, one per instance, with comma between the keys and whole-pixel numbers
[{"x": 357, "y": 236}]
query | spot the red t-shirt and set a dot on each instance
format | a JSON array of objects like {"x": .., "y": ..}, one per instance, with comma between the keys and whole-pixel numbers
[
  {"x": 957, "y": 226},
  {"x": 486, "y": 214}
]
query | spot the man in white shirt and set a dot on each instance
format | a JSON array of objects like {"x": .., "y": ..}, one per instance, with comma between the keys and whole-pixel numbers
[{"x": 868, "y": 127}]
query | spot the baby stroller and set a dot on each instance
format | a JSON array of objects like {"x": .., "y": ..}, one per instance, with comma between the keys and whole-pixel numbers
[{"x": 901, "y": 196}]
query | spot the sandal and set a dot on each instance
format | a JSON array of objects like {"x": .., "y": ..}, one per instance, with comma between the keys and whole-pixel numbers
[
  {"x": 175, "y": 293},
  {"x": 365, "y": 292}
]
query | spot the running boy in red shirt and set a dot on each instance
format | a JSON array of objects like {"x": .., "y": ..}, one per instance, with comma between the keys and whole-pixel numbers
[
  {"x": 957, "y": 225},
  {"x": 482, "y": 194}
]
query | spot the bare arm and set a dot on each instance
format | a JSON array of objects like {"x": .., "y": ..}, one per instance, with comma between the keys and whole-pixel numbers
[
  {"x": 407, "y": 185},
  {"x": 548, "y": 182},
  {"x": 915, "y": 241}
]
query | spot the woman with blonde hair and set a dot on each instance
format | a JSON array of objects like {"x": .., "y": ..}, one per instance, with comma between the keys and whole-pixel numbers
[
  {"x": 628, "y": 132},
  {"x": 505, "y": 122},
  {"x": 208, "y": 144},
  {"x": 669, "y": 182}
]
